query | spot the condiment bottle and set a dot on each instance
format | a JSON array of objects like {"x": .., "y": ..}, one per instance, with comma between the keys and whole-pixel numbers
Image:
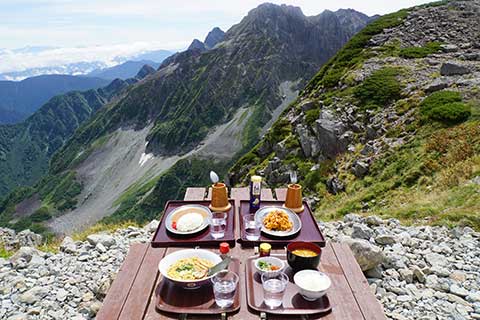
[
  {"x": 255, "y": 193},
  {"x": 265, "y": 249},
  {"x": 224, "y": 250}
]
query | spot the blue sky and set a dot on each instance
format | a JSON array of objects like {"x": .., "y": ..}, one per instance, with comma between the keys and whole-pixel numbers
[
  {"x": 171, "y": 23},
  {"x": 91, "y": 30}
]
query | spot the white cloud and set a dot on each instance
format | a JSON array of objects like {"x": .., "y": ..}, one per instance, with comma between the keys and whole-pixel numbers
[{"x": 18, "y": 60}]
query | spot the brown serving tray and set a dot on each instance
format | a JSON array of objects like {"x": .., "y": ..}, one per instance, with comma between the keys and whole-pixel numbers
[
  {"x": 310, "y": 232},
  {"x": 293, "y": 303},
  {"x": 164, "y": 238},
  {"x": 176, "y": 299}
]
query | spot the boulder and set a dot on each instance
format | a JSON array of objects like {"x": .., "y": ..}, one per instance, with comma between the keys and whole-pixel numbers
[
  {"x": 335, "y": 185},
  {"x": 68, "y": 245},
  {"x": 308, "y": 142},
  {"x": 436, "y": 85},
  {"x": 360, "y": 168},
  {"x": 152, "y": 226},
  {"x": 361, "y": 231},
  {"x": 452, "y": 69},
  {"x": 368, "y": 256},
  {"x": 25, "y": 256},
  {"x": 449, "y": 47},
  {"x": 307, "y": 104},
  {"x": 385, "y": 239},
  {"x": 329, "y": 131},
  {"x": 105, "y": 239}
]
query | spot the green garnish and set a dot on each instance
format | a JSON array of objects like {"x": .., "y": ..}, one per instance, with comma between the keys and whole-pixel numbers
[
  {"x": 264, "y": 265},
  {"x": 185, "y": 267}
]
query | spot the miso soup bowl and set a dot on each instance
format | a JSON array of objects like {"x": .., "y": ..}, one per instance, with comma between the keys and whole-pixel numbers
[{"x": 298, "y": 263}]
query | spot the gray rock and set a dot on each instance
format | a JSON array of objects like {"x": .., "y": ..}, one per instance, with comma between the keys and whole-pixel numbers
[
  {"x": 361, "y": 231},
  {"x": 385, "y": 239},
  {"x": 458, "y": 291},
  {"x": 329, "y": 130},
  {"x": 25, "y": 256},
  {"x": 449, "y": 47},
  {"x": 152, "y": 226},
  {"x": 451, "y": 69},
  {"x": 418, "y": 274},
  {"x": 374, "y": 221},
  {"x": 308, "y": 142},
  {"x": 368, "y": 256},
  {"x": 68, "y": 245},
  {"x": 27, "y": 238},
  {"x": 360, "y": 168},
  {"x": 105, "y": 239},
  {"x": 335, "y": 185},
  {"x": 436, "y": 85},
  {"x": 33, "y": 295},
  {"x": 308, "y": 104},
  {"x": 406, "y": 275}
]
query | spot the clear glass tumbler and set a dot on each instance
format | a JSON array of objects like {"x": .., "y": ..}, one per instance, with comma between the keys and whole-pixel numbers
[
  {"x": 274, "y": 286},
  {"x": 218, "y": 224},
  {"x": 252, "y": 227},
  {"x": 224, "y": 288}
]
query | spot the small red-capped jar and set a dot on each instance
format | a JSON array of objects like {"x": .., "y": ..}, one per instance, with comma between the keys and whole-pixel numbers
[{"x": 224, "y": 249}]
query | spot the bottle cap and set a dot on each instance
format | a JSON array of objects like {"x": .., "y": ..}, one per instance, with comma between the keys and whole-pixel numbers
[
  {"x": 265, "y": 246},
  {"x": 256, "y": 179},
  {"x": 224, "y": 248}
]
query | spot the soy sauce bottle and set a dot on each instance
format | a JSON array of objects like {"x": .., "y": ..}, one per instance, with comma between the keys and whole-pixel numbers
[{"x": 255, "y": 192}]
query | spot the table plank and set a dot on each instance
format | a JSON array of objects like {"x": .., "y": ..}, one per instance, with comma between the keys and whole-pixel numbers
[
  {"x": 142, "y": 288},
  {"x": 194, "y": 194},
  {"x": 120, "y": 288},
  {"x": 344, "y": 304},
  {"x": 366, "y": 300},
  {"x": 281, "y": 193}
]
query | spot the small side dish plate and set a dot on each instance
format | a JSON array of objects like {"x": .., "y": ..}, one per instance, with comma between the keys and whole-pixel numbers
[
  {"x": 294, "y": 218},
  {"x": 177, "y": 213}
]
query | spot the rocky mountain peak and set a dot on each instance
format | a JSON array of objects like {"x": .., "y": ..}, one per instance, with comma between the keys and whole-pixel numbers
[
  {"x": 145, "y": 71},
  {"x": 197, "y": 45},
  {"x": 215, "y": 36}
]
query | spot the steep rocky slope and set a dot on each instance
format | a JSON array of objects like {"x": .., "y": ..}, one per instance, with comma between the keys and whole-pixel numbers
[
  {"x": 199, "y": 110},
  {"x": 390, "y": 125}
]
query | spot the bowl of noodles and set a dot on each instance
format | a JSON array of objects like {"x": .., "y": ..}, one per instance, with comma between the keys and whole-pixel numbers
[
  {"x": 278, "y": 221},
  {"x": 188, "y": 267}
]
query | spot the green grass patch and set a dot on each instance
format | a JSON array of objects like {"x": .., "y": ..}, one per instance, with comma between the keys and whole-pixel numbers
[
  {"x": 446, "y": 107},
  {"x": 420, "y": 52},
  {"x": 379, "y": 89}
]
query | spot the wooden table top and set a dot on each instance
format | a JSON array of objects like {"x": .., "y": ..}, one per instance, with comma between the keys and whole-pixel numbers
[{"x": 131, "y": 295}]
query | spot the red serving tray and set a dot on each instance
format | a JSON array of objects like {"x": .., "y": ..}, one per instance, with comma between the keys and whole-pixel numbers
[
  {"x": 310, "y": 232},
  {"x": 175, "y": 299},
  {"x": 293, "y": 303},
  {"x": 164, "y": 238}
]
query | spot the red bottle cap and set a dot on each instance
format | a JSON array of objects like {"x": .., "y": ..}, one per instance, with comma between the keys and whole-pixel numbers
[{"x": 224, "y": 248}]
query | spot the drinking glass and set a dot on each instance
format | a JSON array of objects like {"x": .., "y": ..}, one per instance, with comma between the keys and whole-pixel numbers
[
  {"x": 224, "y": 288},
  {"x": 252, "y": 227},
  {"x": 218, "y": 224},
  {"x": 274, "y": 286}
]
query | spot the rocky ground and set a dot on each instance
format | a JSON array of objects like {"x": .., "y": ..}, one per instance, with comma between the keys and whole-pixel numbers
[{"x": 418, "y": 273}]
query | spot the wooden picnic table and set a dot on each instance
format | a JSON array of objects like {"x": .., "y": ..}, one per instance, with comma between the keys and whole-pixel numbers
[{"x": 132, "y": 293}]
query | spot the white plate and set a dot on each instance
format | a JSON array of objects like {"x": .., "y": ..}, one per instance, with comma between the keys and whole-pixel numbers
[
  {"x": 297, "y": 223},
  {"x": 188, "y": 208}
]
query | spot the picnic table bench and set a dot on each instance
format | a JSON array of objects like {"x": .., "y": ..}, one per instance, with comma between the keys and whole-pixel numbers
[{"x": 132, "y": 293}]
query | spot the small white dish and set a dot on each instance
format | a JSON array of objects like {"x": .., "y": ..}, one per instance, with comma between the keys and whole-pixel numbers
[
  {"x": 273, "y": 261},
  {"x": 312, "y": 284}
]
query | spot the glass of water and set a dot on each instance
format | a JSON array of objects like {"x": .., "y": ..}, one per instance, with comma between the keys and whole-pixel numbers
[
  {"x": 252, "y": 227},
  {"x": 274, "y": 286},
  {"x": 224, "y": 288},
  {"x": 218, "y": 224}
]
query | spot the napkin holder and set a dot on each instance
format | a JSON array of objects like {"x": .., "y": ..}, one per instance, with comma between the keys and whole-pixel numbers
[
  {"x": 294, "y": 200},
  {"x": 219, "y": 202}
]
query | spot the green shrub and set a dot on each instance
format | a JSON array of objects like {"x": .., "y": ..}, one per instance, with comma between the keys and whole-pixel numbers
[
  {"x": 42, "y": 214},
  {"x": 380, "y": 88},
  {"x": 312, "y": 115},
  {"x": 445, "y": 106},
  {"x": 420, "y": 52}
]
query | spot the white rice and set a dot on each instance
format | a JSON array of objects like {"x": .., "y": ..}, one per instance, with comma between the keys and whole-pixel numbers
[{"x": 189, "y": 222}]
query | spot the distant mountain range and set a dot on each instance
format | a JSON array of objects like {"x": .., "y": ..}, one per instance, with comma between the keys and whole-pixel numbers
[
  {"x": 80, "y": 67},
  {"x": 19, "y": 99},
  {"x": 123, "y": 71}
]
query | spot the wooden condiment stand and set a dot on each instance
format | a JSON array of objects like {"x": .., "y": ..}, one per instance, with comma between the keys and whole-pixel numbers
[
  {"x": 219, "y": 200},
  {"x": 294, "y": 200}
]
